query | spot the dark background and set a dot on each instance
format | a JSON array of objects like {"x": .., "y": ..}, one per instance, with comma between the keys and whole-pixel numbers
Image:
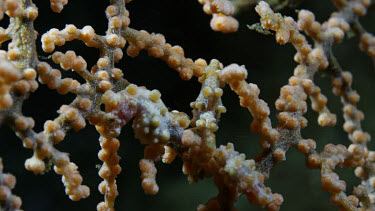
[{"x": 184, "y": 23}]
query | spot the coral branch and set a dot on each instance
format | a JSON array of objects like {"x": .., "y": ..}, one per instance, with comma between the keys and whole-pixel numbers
[
  {"x": 221, "y": 11},
  {"x": 8, "y": 201},
  {"x": 157, "y": 47}
]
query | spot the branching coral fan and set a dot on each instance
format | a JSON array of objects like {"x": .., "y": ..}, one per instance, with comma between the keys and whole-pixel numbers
[{"x": 106, "y": 97}]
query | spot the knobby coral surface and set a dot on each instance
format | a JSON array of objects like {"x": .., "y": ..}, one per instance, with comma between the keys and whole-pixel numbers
[{"x": 107, "y": 99}]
